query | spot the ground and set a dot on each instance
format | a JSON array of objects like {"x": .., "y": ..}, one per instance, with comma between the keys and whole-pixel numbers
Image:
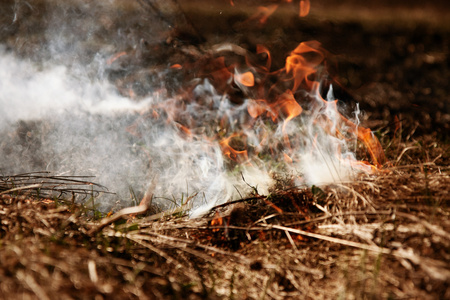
[{"x": 385, "y": 236}]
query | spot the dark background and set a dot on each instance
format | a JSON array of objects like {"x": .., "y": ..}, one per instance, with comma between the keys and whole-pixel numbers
[{"x": 392, "y": 57}]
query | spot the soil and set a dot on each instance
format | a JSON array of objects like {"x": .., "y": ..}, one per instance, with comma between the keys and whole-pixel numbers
[{"x": 384, "y": 237}]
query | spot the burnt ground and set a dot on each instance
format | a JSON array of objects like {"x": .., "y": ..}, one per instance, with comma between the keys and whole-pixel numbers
[{"x": 385, "y": 237}]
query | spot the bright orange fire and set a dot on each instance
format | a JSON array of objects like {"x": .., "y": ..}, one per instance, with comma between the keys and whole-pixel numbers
[
  {"x": 301, "y": 74},
  {"x": 256, "y": 114},
  {"x": 302, "y": 67},
  {"x": 274, "y": 103}
]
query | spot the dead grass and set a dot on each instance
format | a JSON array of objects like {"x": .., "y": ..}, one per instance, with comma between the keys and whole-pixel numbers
[{"x": 384, "y": 237}]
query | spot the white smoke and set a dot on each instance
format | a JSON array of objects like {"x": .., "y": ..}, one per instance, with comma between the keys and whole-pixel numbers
[
  {"x": 61, "y": 115},
  {"x": 75, "y": 125}
]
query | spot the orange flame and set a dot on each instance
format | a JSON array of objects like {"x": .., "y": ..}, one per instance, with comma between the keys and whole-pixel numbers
[
  {"x": 217, "y": 221},
  {"x": 271, "y": 204},
  {"x": 260, "y": 49},
  {"x": 279, "y": 102},
  {"x": 264, "y": 12},
  {"x": 256, "y": 108},
  {"x": 287, "y": 158},
  {"x": 363, "y": 134},
  {"x": 115, "y": 57},
  {"x": 236, "y": 155},
  {"x": 246, "y": 79},
  {"x": 302, "y": 67},
  {"x": 288, "y": 105},
  {"x": 176, "y": 66},
  {"x": 372, "y": 144},
  {"x": 305, "y": 6}
]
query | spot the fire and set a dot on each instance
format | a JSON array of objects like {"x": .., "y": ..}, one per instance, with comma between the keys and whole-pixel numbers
[
  {"x": 305, "y": 6},
  {"x": 244, "y": 117},
  {"x": 302, "y": 67},
  {"x": 236, "y": 155},
  {"x": 217, "y": 222},
  {"x": 255, "y": 120},
  {"x": 264, "y": 12},
  {"x": 364, "y": 135},
  {"x": 246, "y": 79}
]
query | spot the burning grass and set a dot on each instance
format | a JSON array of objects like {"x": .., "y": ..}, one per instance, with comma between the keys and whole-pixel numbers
[{"x": 376, "y": 238}]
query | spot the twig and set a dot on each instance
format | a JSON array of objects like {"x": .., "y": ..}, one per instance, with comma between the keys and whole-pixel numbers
[
  {"x": 349, "y": 213},
  {"x": 136, "y": 210},
  {"x": 291, "y": 240},
  {"x": 332, "y": 239},
  {"x": 158, "y": 251},
  {"x": 237, "y": 201},
  {"x": 142, "y": 208}
]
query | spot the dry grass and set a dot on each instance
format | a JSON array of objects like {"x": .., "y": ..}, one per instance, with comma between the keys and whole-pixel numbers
[{"x": 385, "y": 237}]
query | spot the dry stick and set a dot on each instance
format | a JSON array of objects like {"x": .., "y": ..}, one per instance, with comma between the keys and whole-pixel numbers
[
  {"x": 181, "y": 246},
  {"x": 126, "y": 263},
  {"x": 331, "y": 239},
  {"x": 167, "y": 213},
  {"x": 158, "y": 251},
  {"x": 237, "y": 201},
  {"x": 290, "y": 240},
  {"x": 142, "y": 208},
  {"x": 135, "y": 210},
  {"x": 350, "y": 213},
  {"x": 56, "y": 179},
  {"x": 329, "y": 216},
  {"x": 148, "y": 196}
]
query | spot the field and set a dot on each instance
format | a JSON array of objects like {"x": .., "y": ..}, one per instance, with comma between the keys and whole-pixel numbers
[{"x": 384, "y": 235}]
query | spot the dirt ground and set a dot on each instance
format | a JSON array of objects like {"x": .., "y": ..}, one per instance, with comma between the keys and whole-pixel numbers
[{"x": 383, "y": 237}]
